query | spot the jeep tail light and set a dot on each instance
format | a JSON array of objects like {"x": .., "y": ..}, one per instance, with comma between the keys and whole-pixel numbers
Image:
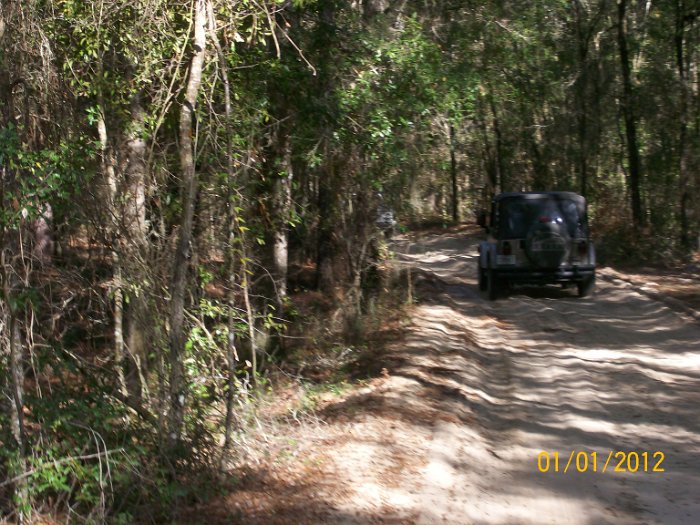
[
  {"x": 506, "y": 249},
  {"x": 582, "y": 249}
]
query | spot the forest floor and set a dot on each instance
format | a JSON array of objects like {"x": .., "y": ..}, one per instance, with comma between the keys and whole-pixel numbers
[{"x": 467, "y": 393}]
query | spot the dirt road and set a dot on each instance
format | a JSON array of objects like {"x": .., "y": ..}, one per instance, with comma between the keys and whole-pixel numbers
[
  {"x": 478, "y": 390},
  {"x": 605, "y": 391}
]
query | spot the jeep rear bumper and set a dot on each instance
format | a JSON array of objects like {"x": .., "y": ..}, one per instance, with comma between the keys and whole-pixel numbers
[{"x": 565, "y": 274}]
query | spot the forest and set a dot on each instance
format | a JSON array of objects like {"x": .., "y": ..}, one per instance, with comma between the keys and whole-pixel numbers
[{"x": 180, "y": 179}]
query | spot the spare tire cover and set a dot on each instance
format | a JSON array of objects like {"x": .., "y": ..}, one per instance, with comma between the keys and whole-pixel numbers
[{"x": 547, "y": 245}]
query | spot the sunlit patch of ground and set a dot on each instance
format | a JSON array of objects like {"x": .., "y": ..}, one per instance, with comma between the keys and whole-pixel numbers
[{"x": 682, "y": 284}]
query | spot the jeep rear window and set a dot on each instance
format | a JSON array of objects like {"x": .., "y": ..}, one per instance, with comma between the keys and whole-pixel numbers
[{"x": 517, "y": 215}]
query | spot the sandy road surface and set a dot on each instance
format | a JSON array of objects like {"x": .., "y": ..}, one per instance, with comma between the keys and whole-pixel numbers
[
  {"x": 477, "y": 389},
  {"x": 471, "y": 393}
]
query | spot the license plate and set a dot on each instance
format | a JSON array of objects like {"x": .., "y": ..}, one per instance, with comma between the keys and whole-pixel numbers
[
  {"x": 505, "y": 259},
  {"x": 544, "y": 246}
]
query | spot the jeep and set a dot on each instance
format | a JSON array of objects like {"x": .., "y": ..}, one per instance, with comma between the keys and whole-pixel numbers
[{"x": 536, "y": 238}]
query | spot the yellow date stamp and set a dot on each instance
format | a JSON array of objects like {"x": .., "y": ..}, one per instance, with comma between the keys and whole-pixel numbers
[{"x": 613, "y": 461}]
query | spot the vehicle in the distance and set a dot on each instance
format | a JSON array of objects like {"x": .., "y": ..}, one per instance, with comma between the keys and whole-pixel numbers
[
  {"x": 385, "y": 220},
  {"x": 536, "y": 238}
]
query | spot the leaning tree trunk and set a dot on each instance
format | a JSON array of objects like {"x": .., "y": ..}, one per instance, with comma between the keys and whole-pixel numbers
[{"x": 189, "y": 192}]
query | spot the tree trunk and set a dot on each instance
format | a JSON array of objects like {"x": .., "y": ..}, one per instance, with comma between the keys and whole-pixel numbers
[
  {"x": 327, "y": 184},
  {"x": 180, "y": 261},
  {"x": 683, "y": 150},
  {"x": 629, "y": 117},
  {"x": 501, "y": 184},
  {"x": 232, "y": 222},
  {"x": 10, "y": 336},
  {"x": 119, "y": 327},
  {"x": 136, "y": 173},
  {"x": 325, "y": 279},
  {"x": 490, "y": 164},
  {"x": 541, "y": 180},
  {"x": 109, "y": 191},
  {"x": 283, "y": 203},
  {"x": 453, "y": 174},
  {"x": 581, "y": 86},
  {"x": 2, "y": 22},
  {"x": 279, "y": 154},
  {"x": 250, "y": 318},
  {"x": 17, "y": 413},
  {"x": 136, "y": 248}
]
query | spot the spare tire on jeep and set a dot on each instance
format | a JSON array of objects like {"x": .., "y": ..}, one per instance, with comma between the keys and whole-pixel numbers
[{"x": 547, "y": 244}]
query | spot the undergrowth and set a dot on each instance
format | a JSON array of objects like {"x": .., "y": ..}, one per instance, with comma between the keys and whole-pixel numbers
[{"x": 91, "y": 459}]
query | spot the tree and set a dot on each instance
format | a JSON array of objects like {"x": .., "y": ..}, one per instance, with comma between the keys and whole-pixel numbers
[
  {"x": 188, "y": 115},
  {"x": 683, "y": 19},
  {"x": 628, "y": 111}
]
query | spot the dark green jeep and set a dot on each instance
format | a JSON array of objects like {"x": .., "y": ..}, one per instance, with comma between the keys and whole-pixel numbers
[{"x": 536, "y": 238}]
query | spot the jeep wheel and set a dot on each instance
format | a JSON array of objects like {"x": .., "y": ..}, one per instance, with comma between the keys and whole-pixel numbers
[
  {"x": 493, "y": 285},
  {"x": 482, "y": 279},
  {"x": 586, "y": 286}
]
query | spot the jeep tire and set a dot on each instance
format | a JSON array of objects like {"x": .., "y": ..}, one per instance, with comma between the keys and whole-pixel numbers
[
  {"x": 586, "y": 286},
  {"x": 482, "y": 280},
  {"x": 493, "y": 284}
]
